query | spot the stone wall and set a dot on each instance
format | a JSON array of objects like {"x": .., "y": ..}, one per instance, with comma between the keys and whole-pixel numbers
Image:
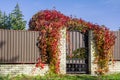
[
  {"x": 115, "y": 68},
  {"x": 17, "y": 69},
  {"x": 62, "y": 48},
  {"x": 91, "y": 65}
]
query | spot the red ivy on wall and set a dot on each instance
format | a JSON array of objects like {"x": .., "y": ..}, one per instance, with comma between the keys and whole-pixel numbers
[{"x": 50, "y": 22}]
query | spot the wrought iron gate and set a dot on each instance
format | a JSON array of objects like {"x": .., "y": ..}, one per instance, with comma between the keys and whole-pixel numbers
[{"x": 77, "y": 53}]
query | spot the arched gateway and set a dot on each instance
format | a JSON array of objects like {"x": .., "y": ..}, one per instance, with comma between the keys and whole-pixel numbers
[{"x": 50, "y": 23}]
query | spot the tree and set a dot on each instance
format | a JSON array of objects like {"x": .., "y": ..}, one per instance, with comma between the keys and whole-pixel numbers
[
  {"x": 16, "y": 19},
  {"x": 3, "y": 21},
  {"x": 13, "y": 21}
]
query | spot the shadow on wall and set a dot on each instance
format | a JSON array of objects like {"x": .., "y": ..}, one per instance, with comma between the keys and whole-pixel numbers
[
  {"x": 12, "y": 60},
  {"x": 5, "y": 58},
  {"x": 2, "y": 43}
]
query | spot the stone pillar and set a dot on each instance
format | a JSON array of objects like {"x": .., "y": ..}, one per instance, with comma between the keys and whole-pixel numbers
[
  {"x": 91, "y": 57},
  {"x": 63, "y": 51}
]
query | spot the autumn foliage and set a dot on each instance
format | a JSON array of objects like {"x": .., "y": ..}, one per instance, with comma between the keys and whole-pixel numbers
[{"x": 50, "y": 22}]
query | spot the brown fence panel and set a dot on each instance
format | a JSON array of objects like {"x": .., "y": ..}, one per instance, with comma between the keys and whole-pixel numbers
[
  {"x": 76, "y": 41},
  {"x": 116, "y": 48},
  {"x": 18, "y": 46}
]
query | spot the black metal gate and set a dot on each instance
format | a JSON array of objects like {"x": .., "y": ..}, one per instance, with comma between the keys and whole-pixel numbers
[{"x": 77, "y": 53}]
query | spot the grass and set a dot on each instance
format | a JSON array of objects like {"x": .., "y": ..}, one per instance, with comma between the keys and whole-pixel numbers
[{"x": 62, "y": 77}]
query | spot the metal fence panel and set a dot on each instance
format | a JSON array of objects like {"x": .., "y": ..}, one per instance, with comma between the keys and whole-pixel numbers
[
  {"x": 116, "y": 47},
  {"x": 18, "y": 46}
]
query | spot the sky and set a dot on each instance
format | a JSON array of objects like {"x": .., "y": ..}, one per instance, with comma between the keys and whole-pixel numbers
[{"x": 101, "y": 12}]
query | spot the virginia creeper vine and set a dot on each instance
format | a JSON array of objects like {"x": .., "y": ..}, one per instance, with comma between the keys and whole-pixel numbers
[{"x": 50, "y": 22}]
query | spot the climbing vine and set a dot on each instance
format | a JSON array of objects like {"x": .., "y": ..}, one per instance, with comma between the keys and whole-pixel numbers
[{"x": 50, "y": 22}]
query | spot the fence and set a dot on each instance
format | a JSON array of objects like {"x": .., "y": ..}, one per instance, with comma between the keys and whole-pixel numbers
[
  {"x": 116, "y": 50},
  {"x": 76, "y": 41},
  {"x": 18, "y": 46}
]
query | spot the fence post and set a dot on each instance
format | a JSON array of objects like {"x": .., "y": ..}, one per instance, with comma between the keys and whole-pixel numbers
[
  {"x": 62, "y": 48},
  {"x": 91, "y": 57}
]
